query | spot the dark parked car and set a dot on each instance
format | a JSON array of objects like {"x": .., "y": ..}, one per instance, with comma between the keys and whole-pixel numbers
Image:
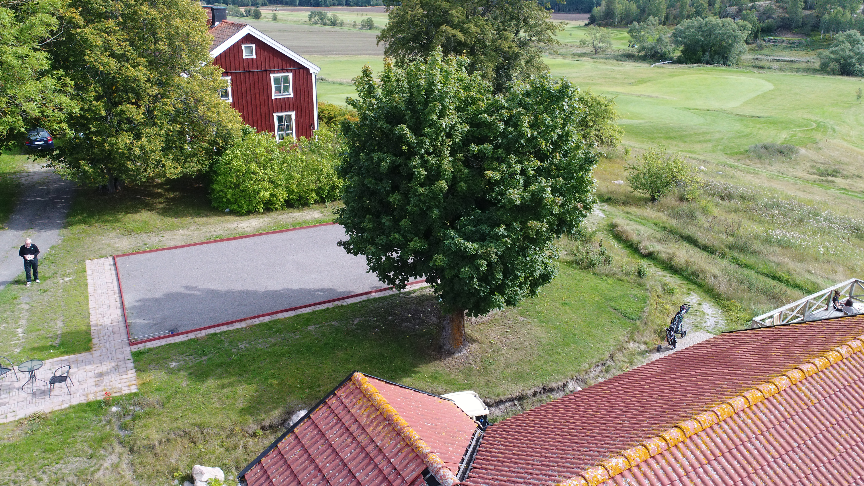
[{"x": 39, "y": 139}]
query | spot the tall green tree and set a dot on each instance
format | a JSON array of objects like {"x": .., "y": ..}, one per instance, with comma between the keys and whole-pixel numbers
[
  {"x": 447, "y": 180},
  {"x": 146, "y": 90},
  {"x": 652, "y": 40},
  {"x": 711, "y": 40},
  {"x": 845, "y": 56},
  {"x": 503, "y": 39},
  {"x": 31, "y": 93},
  {"x": 794, "y": 9},
  {"x": 656, "y": 9}
]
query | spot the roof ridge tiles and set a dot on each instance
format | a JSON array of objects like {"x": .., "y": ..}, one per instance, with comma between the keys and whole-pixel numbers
[
  {"x": 436, "y": 466},
  {"x": 624, "y": 460}
]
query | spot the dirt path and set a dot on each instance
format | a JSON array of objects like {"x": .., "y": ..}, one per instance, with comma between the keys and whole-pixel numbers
[{"x": 39, "y": 215}]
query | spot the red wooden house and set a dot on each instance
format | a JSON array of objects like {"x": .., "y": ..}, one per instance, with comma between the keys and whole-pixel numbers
[{"x": 272, "y": 87}]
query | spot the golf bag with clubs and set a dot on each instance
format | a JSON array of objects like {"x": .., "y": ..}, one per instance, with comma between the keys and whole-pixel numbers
[{"x": 676, "y": 326}]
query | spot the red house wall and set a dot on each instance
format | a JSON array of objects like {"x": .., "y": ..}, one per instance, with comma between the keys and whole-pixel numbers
[{"x": 251, "y": 88}]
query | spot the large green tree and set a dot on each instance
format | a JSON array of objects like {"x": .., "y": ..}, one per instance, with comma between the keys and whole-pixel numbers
[
  {"x": 503, "y": 39},
  {"x": 146, "y": 90},
  {"x": 652, "y": 40},
  {"x": 447, "y": 180},
  {"x": 711, "y": 40},
  {"x": 845, "y": 56},
  {"x": 31, "y": 93}
]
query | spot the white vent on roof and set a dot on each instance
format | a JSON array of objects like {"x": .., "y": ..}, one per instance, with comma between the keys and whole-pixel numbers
[{"x": 469, "y": 402}]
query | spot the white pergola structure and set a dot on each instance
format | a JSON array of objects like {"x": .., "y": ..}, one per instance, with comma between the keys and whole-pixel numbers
[{"x": 814, "y": 307}]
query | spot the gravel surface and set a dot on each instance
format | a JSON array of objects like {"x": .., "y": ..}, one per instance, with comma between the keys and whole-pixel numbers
[
  {"x": 39, "y": 215},
  {"x": 181, "y": 289}
]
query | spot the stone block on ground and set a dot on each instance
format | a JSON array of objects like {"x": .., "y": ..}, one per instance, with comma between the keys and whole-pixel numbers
[{"x": 202, "y": 474}]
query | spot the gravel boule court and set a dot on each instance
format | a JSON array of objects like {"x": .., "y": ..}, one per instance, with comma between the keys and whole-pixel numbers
[{"x": 183, "y": 289}]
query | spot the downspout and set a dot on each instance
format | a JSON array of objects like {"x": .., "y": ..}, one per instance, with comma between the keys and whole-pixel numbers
[{"x": 315, "y": 97}]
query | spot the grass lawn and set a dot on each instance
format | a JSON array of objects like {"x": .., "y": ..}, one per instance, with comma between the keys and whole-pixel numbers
[{"x": 11, "y": 163}]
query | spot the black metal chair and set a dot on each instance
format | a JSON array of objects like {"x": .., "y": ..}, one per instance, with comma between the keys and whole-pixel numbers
[
  {"x": 62, "y": 377},
  {"x": 4, "y": 370}
]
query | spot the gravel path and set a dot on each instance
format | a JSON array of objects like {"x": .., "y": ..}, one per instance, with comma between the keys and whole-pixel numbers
[
  {"x": 176, "y": 290},
  {"x": 40, "y": 215}
]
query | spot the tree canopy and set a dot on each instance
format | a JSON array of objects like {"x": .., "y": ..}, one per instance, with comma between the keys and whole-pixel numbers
[
  {"x": 30, "y": 92},
  {"x": 503, "y": 39},
  {"x": 447, "y": 180},
  {"x": 711, "y": 40},
  {"x": 845, "y": 56},
  {"x": 146, "y": 90},
  {"x": 651, "y": 39}
]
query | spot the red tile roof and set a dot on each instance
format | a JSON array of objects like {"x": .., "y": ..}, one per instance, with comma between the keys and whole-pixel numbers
[
  {"x": 224, "y": 31},
  {"x": 811, "y": 432},
  {"x": 370, "y": 432},
  {"x": 642, "y": 416}
]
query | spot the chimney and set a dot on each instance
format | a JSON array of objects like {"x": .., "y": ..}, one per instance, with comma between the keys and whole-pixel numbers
[{"x": 215, "y": 15}]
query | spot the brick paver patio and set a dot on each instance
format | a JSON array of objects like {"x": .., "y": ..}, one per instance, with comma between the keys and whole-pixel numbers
[{"x": 108, "y": 368}]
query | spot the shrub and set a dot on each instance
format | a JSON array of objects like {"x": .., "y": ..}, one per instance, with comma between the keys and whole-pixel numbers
[
  {"x": 657, "y": 174},
  {"x": 258, "y": 173},
  {"x": 274, "y": 18},
  {"x": 332, "y": 115},
  {"x": 324, "y": 18},
  {"x": 597, "y": 38},
  {"x": 367, "y": 23},
  {"x": 772, "y": 150},
  {"x": 256, "y": 13}
]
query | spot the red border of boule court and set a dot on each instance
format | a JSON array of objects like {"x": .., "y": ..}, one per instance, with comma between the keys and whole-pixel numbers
[{"x": 235, "y": 321}]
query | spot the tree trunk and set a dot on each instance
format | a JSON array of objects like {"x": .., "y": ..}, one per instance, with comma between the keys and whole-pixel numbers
[
  {"x": 113, "y": 184},
  {"x": 453, "y": 335}
]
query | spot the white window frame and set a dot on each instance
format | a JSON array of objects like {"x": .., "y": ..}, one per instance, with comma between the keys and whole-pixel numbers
[
  {"x": 290, "y": 92},
  {"x": 230, "y": 96},
  {"x": 250, "y": 55},
  {"x": 293, "y": 124}
]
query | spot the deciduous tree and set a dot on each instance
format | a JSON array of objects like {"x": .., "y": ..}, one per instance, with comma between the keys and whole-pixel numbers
[
  {"x": 146, "y": 90},
  {"x": 652, "y": 40},
  {"x": 845, "y": 56},
  {"x": 447, "y": 180},
  {"x": 31, "y": 93},
  {"x": 711, "y": 40},
  {"x": 503, "y": 39},
  {"x": 597, "y": 38}
]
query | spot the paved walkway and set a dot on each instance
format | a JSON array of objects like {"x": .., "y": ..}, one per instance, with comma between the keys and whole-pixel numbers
[{"x": 108, "y": 368}]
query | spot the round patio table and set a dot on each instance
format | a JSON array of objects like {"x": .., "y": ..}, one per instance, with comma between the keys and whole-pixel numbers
[{"x": 30, "y": 366}]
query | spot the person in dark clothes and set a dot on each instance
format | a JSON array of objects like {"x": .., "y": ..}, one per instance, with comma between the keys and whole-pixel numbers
[
  {"x": 835, "y": 302},
  {"x": 29, "y": 252}
]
